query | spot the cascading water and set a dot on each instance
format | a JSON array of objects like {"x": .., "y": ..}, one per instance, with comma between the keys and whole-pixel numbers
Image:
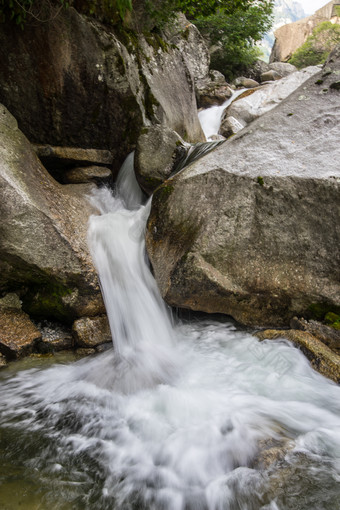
[
  {"x": 210, "y": 118},
  {"x": 172, "y": 418}
]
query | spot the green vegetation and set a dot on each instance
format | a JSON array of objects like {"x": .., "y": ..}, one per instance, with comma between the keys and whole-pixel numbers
[
  {"x": 233, "y": 35},
  {"x": 325, "y": 312},
  {"x": 333, "y": 320},
  {"x": 232, "y": 27},
  {"x": 22, "y": 11},
  {"x": 318, "y": 46},
  {"x": 260, "y": 180}
]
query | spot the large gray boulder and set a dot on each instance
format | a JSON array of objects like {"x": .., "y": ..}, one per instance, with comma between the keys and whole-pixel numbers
[
  {"x": 158, "y": 151},
  {"x": 250, "y": 106},
  {"x": 252, "y": 229},
  {"x": 75, "y": 82},
  {"x": 43, "y": 230}
]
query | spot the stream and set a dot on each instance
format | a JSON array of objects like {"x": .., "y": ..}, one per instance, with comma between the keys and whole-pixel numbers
[{"x": 181, "y": 414}]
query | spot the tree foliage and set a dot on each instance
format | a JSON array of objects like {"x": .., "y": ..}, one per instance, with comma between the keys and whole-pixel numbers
[
  {"x": 22, "y": 11},
  {"x": 232, "y": 26},
  {"x": 318, "y": 45},
  {"x": 233, "y": 35}
]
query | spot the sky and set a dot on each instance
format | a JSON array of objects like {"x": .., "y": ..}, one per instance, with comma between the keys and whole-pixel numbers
[{"x": 310, "y": 6}]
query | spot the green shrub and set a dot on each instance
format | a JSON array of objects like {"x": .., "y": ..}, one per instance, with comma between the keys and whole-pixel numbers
[
  {"x": 234, "y": 36},
  {"x": 21, "y": 11},
  {"x": 318, "y": 45}
]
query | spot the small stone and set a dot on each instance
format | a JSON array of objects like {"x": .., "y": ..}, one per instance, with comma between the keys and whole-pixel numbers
[
  {"x": 10, "y": 300},
  {"x": 55, "y": 337},
  {"x": 230, "y": 126},
  {"x": 270, "y": 76},
  {"x": 82, "y": 352},
  {"x": 247, "y": 83},
  {"x": 91, "y": 331},
  {"x": 82, "y": 175},
  {"x": 158, "y": 151},
  {"x": 68, "y": 156},
  {"x": 217, "y": 137},
  {"x": 3, "y": 362},
  {"x": 18, "y": 335},
  {"x": 283, "y": 68}
]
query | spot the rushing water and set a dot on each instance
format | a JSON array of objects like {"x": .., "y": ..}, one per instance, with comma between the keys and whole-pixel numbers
[
  {"x": 180, "y": 415},
  {"x": 210, "y": 118}
]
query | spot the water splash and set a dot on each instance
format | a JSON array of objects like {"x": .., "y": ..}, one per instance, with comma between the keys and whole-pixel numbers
[
  {"x": 175, "y": 417},
  {"x": 139, "y": 321}
]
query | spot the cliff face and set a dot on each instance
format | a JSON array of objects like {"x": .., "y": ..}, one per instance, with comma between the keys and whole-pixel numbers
[
  {"x": 285, "y": 11},
  {"x": 76, "y": 82},
  {"x": 289, "y": 38}
]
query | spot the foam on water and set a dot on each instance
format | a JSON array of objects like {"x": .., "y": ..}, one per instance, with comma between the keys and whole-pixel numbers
[
  {"x": 210, "y": 118},
  {"x": 174, "y": 416}
]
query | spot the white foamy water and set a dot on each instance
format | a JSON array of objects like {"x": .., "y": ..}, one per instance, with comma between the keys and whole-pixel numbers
[
  {"x": 210, "y": 118},
  {"x": 175, "y": 416}
]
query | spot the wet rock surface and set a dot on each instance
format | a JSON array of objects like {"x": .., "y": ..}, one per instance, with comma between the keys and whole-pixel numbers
[
  {"x": 88, "y": 332},
  {"x": 43, "y": 241},
  {"x": 158, "y": 151},
  {"x": 18, "y": 335},
  {"x": 54, "y": 338},
  {"x": 88, "y": 174},
  {"x": 324, "y": 333}
]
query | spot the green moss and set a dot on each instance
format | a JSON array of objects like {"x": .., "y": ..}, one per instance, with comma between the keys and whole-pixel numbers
[
  {"x": 333, "y": 320},
  {"x": 150, "y": 103},
  {"x": 46, "y": 301},
  {"x": 335, "y": 85},
  {"x": 319, "y": 82},
  {"x": 319, "y": 311},
  {"x": 151, "y": 180},
  {"x": 185, "y": 34},
  {"x": 120, "y": 65},
  {"x": 290, "y": 114},
  {"x": 260, "y": 181},
  {"x": 156, "y": 42},
  {"x": 128, "y": 37},
  {"x": 164, "y": 192}
]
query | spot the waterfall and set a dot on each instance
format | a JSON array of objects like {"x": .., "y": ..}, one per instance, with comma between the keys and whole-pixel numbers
[
  {"x": 116, "y": 241},
  {"x": 210, "y": 118},
  {"x": 175, "y": 417}
]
